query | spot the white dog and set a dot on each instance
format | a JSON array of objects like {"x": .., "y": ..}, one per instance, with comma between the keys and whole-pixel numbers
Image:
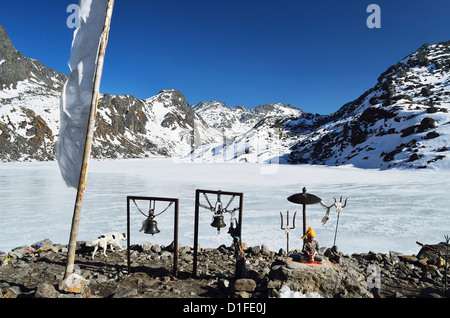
[{"x": 113, "y": 239}]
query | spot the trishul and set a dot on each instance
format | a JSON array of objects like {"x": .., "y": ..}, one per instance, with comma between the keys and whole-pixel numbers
[
  {"x": 339, "y": 208},
  {"x": 287, "y": 228}
]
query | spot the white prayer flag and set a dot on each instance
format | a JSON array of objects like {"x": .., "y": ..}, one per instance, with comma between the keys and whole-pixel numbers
[{"x": 77, "y": 94}]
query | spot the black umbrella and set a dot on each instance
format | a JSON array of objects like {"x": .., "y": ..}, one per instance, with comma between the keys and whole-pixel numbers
[{"x": 304, "y": 199}]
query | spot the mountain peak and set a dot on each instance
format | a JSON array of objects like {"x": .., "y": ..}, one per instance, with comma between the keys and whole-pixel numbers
[
  {"x": 15, "y": 68},
  {"x": 170, "y": 91},
  {"x": 5, "y": 41}
]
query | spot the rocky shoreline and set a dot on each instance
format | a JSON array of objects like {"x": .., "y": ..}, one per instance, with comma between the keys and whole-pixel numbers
[{"x": 27, "y": 272}]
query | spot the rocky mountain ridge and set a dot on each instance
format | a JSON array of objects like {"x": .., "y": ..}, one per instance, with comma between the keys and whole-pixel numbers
[{"x": 401, "y": 122}]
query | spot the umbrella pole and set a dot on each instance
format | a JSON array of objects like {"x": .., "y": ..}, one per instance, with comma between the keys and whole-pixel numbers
[
  {"x": 304, "y": 219},
  {"x": 304, "y": 223}
]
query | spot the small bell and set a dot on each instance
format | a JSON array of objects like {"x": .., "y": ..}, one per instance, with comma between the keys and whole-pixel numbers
[
  {"x": 149, "y": 226},
  {"x": 218, "y": 222}
]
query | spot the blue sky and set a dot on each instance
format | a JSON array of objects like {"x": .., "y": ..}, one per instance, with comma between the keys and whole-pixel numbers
[{"x": 315, "y": 55}]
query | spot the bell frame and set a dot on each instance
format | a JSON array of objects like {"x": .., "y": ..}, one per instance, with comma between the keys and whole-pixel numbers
[
  {"x": 175, "y": 238},
  {"x": 197, "y": 205}
]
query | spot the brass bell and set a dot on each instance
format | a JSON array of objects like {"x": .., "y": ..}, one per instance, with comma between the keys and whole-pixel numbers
[
  {"x": 149, "y": 226},
  {"x": 218, "y": 222}
]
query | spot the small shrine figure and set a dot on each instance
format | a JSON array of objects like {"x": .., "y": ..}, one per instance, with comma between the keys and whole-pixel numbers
[{"x": 311, "y": 246}]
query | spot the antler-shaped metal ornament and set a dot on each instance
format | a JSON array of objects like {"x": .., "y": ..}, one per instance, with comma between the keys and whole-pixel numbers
[
  {"x": 326, "y": 217},
  {"x": 287, "y": 228},
  {"x": 338, "y": 206}
]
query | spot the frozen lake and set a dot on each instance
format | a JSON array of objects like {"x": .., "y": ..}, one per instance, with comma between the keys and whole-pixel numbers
[{"x": 386, "y": 210}]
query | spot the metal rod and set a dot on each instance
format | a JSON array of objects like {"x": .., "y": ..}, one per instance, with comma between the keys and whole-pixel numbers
[
  {"x": 175, "y": 240},
  {"x": 304, "y": 219},
  {"x": 87, "y": 148},
  {"x": 304, "y": 224},
  {"x": 335, "y": 233},
  {"x": 288, "y": 228},
  {"x": 152, "y": 198},
  {"x": 287, "y": 233},
  {"x": 128, "y": 234},
  {"x": 241, "y": 206},
  {"x": 281, "y": 215},
  {"x": 447, "y": 239}
]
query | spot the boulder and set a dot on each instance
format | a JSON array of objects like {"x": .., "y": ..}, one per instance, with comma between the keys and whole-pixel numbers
[
  {"x": 265, "y": 250},
  {"x": 245, "y": 284},
  {"x": 427, "y": 123},
  {"x": 74, "y": 284},
  {"x": 46, "y": 290}
]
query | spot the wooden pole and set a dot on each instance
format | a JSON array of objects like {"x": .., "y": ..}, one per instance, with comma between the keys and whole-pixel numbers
[
  {"x": 87, "y": 148},
  {"x": 197, "y": 204}
]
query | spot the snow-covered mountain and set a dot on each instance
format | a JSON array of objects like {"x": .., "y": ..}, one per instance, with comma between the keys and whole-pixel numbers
[
  {"x": 401, "y": 122},
  {"x": 126, "y": 127},
  {"x": 248, "y": 135},
  {"x": 163, "y": 125},
  {"x": 29, "y": 114},
  {"x": 234, "y": 121}
]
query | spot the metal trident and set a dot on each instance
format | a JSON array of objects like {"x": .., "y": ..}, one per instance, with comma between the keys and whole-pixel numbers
[{"x": 287, "y": 228}]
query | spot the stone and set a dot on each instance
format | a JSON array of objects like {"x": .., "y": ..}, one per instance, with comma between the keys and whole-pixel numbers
[
  {"x": 281, "y": 252},
  {"x": 242, "y": 294},
  {"x": 408, "y": 258},
  {"x": 74, "y": 284},
  {"x": 255, "y": 250},
  {"x": 125, "y": 293},
  {"x": 188, "y": 258},
  {"x": 20, "y": 252},
  {"x": 146, "y": 246},
  {"x": 156, "y": 248},
  {"x": 265, "y": 250},
  {"x": 183, "y": 250},
  {"x": 151, "y": 284},
  {"x": 427, "y": 123},
  {"x": 245, "y": 284},
  {"x": 166, "y": 254},
  {"x": 46, "y": 290},
  {"x": 12, "y": 292},
  {"x": 432, "y": 135}
]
